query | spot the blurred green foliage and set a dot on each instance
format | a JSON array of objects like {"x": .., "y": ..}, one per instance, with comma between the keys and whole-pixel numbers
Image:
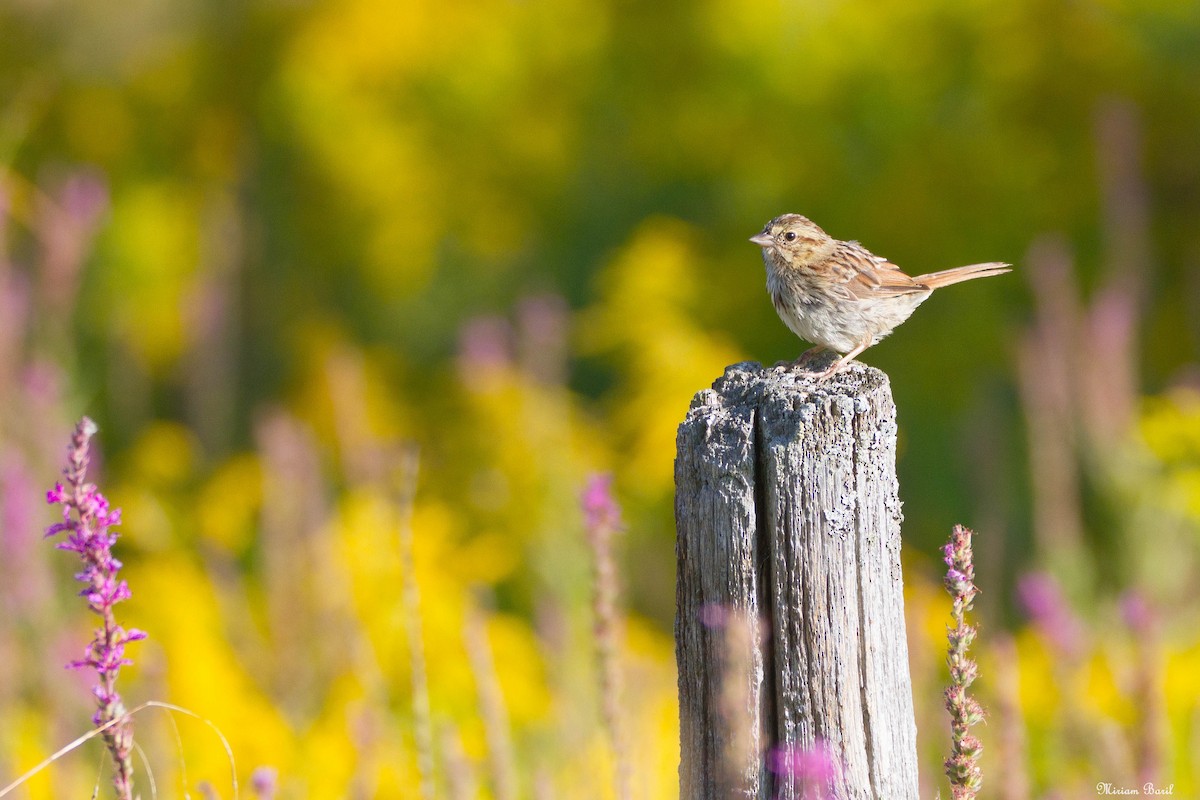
[{"x": 261, "y": 242}]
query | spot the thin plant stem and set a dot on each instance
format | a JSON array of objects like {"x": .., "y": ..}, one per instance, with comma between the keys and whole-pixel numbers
[
  {"x": 411, "y": 599},
  {"x": 501, "y": 761}
]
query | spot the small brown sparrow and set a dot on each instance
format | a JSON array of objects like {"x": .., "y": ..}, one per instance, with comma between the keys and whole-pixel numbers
[{"x": 839, "y": 295}]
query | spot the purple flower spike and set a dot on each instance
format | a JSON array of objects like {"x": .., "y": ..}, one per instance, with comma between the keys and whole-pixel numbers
[
  {"x": 1136, "y": 612},
  {"x": 962, "y": 767},
  {"x": 86, "y": 520},
  {"x": 600, "y": 507},
  {"x": 602, "y": 519},
  {"x": 1042, "y": 598}
]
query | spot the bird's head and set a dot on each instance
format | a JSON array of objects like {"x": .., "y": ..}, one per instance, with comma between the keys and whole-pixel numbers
[{"x": 791, "y": 240}]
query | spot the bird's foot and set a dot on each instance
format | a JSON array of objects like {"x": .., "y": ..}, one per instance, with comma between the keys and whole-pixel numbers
[
  {"x": 819, "y": 360},
  {"x": 833, "y": 369},
  {"x": 806, "y": 358},
  {"x": 841, "y": 363}
]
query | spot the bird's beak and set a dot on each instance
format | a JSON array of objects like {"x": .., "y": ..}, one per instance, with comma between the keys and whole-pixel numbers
[{"x": 763, "y": 239}]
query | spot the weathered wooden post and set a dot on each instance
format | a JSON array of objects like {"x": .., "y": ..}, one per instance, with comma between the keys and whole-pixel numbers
[{"x": 787, "y": 513}]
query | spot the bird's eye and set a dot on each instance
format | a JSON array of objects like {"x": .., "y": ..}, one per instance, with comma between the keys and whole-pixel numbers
[{"x": 790, "y": 236}]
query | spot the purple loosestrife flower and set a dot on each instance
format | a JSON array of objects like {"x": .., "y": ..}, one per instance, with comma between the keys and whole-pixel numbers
[
  {"x": 87, "y": 518},
  {"x": 264, "y": 782},
  {"x": 543, "y": 324},
  {"x": 962, "y": 767},
  {"x": 602, "y": 518},
  {"x": 66, "y": 221},
  {"x": 806, "y": 772},
  {"x": 1042, "y": 598},
  {"x": 485, "y": 352},
  {"x": 18, "y": 555},
  {"x": 1149, "y": 744},
  {"x": 1137, "y": 613},
  {"x": 601, "y": 512}
]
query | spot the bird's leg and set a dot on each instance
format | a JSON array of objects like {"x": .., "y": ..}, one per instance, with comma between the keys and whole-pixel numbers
[
  {"x": 808, "y": 355},
  {"x": 841, "y": 363}
]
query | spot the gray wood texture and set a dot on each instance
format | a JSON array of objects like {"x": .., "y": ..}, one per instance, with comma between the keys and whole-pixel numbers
[{"x": 788, "y": 515}]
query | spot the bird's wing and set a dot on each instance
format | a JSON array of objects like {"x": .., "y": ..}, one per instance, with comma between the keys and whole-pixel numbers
[{"x": 864, "y": 274}]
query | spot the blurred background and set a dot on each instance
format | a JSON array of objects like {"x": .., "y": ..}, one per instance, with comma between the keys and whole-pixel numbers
[{"x": 266, "y": 243}]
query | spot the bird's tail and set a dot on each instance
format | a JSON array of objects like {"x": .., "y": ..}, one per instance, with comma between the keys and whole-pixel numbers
[{"x": 959, "y": 274}]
